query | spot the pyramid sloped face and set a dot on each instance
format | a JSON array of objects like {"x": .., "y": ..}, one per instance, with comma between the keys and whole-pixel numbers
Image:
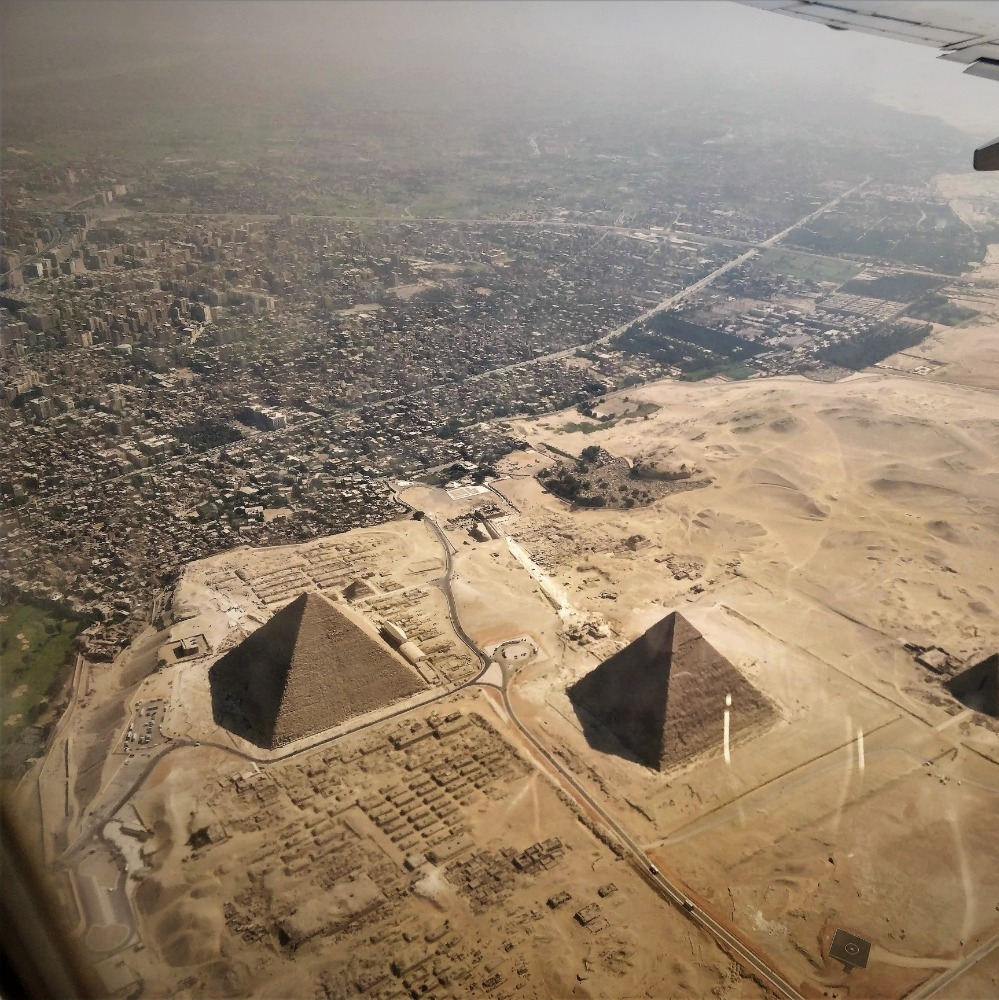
[
  {"x": 664, "y": 695},
  {"x": 311, "y": 667},
  {"x": 358, "y": 590},
  {"x": 978, "y": 686}
]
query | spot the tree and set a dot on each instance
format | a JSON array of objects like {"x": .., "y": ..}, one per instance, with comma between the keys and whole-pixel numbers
[{"x": 591, "y": 453}]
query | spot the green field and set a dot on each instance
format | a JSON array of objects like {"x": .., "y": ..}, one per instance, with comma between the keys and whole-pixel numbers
[
  {"x": 643, "y": 409},
  {"x": 585, "y": 428},
  {"x": 799, "y": 265},
  {"x": 29, "y": 666}
]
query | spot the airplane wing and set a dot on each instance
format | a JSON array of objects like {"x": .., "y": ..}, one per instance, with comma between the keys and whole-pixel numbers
[{"x": 961, "y": 34}]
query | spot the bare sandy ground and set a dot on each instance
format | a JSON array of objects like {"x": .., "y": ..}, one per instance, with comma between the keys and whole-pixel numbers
[
  {"x": 841, "y": 519},
  {"x": 966, "y": 355},
  {"x": 877, "y": 497},
  {"x": 210, "y": 915}
]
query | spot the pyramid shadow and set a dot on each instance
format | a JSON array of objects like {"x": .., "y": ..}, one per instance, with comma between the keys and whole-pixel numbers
[
  {"x": 977, "y": 687},
  {"x": 625, "y": 698},
  {"x": 598, "y": 737},
  {"x": 226, "y": 709}
]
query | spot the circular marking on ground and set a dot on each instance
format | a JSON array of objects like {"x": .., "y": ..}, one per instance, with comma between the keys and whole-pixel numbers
[{"x": 107, "y": 937}]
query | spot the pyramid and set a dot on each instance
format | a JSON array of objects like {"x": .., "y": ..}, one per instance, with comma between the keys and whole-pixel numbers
[
  {"x": 358, "y": 590},
  {"x": 664, "y": 695},
  {"x": 311, "y": 667},
  {"x": 978, "y": 686}
]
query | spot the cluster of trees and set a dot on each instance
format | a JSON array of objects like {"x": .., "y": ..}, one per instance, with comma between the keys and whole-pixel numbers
[
  {"x": 449, "y": 429},
  {"x": 925, "y": 235},
  {"x": 567, "y": 485},
  {"x": 204, "y": 434},
  {"x": 873, "y": 345},
  {"x": 672, "y": 340},
  {"x": 562, "y": 483},
  {"x": 456, "y": 471},
  {"x": 937, "y": 309}
]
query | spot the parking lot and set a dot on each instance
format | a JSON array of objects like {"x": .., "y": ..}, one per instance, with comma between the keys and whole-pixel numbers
[{"x": 143, "y": 731}]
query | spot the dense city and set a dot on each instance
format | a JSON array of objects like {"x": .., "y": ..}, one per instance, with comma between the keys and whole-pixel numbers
[{"x": 174, "y": 386}]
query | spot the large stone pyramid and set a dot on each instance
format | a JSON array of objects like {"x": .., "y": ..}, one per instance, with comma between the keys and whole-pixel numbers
[
  {"x": 978, "y": 686},
  {"x": 664, "y": 696},
  {"x": 311, "y": 667}
]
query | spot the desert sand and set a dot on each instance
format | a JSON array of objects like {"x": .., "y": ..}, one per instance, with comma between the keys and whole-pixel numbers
[
  {"x": 467, "y": 840},
  {"x": 841, "y": 521}
]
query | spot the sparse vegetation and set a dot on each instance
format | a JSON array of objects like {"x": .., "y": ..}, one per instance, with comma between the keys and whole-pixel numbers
[
  {"x": 597, "y": 479},
  {"x": 939, "y": 309}
]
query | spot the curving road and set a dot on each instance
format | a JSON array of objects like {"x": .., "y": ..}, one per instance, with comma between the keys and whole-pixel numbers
[
  {"x": 666, "y": 888},
  {"x": 452, "y": 610},
  {"x": 654, "y": 877}
]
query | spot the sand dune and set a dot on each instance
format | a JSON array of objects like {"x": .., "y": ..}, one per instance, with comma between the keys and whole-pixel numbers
[
  {"x": 946, "y": 531},
  {"x": 766, "y": 477},
  {"x": 787, "y": 500},
  {"x": 912, "y": 491},
  {"x": 843, "y": 490},
  {"x": 727, "y": 524}
]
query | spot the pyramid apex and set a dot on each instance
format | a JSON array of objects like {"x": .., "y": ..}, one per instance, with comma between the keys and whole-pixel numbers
[
  {"x": 311, "y": 667},
  {"x": 663, "y": 696}
]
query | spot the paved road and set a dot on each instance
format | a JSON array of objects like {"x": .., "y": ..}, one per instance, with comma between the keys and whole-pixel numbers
[
  {"x": 452, "y": 610},
  {"x": 684, "y": 293},
  {"x": 668, "y": 303},
  {"x": 56, "y": 240},
  {"x": 653, "y": 876},
  {"x": 958, "y": 969}
]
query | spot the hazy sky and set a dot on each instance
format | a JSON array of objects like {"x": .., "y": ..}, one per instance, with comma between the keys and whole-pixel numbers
[{"x": 569, "y": 42}]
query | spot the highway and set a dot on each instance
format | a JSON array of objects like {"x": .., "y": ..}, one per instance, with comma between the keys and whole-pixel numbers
[
  {"x": 667, "y": 303},
  {"x": 663, "y": 883},
  {"x": 677, "y": 297},
  {"x": 666, "y": 888},
  {"x": 956, "y": 970},
  {"x": 654, "y": 876}
]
